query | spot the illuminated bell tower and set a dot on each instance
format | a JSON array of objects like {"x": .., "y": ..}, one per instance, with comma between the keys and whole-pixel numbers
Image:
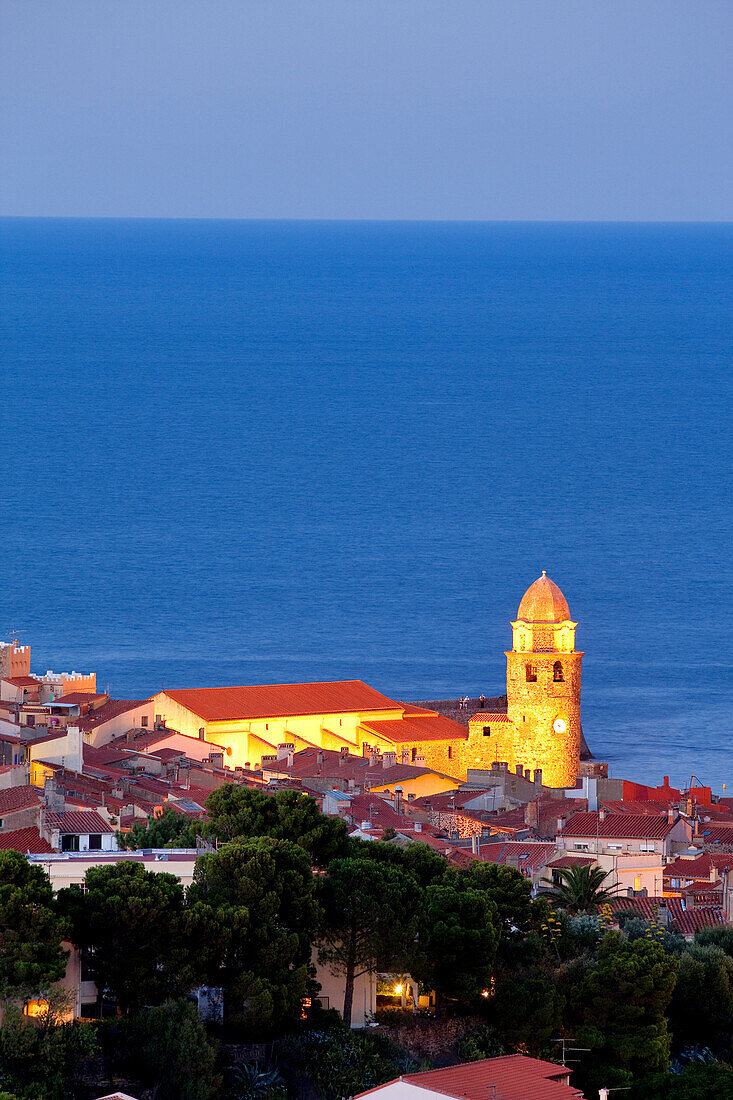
[{"x": 543, "y": 685}]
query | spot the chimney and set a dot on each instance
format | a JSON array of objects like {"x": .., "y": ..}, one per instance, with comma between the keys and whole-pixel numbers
[
  {"x": 418, "y": 826},
  {"x": 520, "y": 770},
  {"x": 389, "y": 759},
  {"x": 538, "y": 777},
  {"x": 284, "y": 748},
  {"x": 474, "y": 844},
  {"x": 374, "y": 758},
  {"x": 247, "y": 765},
  {"x": 420, "y": 760},
  {"x": 670, "y": 814},
  {"x": 202, "y": 733},
  {"x": 602, "y": 814},
  {"x": 74, "y": 755},
  {"x": 560, "y": 824},
  {"x": 319, "y": 758},
  {"x": 343, "y": 754},
  {"x": 398, "y": 800},
  {"x": 531, "y": 815},
  {"x": 405, "y": 756},
  {"x": 290, "y": 758}
]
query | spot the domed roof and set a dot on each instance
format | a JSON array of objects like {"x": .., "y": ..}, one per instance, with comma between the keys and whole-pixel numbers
[{"x": 543, "y": 602}]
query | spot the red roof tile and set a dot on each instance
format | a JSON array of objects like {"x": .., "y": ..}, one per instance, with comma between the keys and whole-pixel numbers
[
  {"x": 406, "y": 731},
  {"x": 512, "y": 1077},
  {"x": 627, "y": 826},
  {"x": 18, "y": 798},
  {"x": 21, "y": 681},
  {"x": 27, "y": 840},
  {"x": 685, "y": 920},
  {"x": 489, "y": 717},
  {"x": 222, "y": 704},
  {"x": 78, "y": 821},
  {"x": 108, "y": 711}
]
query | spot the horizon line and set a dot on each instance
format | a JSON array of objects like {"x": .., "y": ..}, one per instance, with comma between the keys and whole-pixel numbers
[{"x": 365, "y": 221}]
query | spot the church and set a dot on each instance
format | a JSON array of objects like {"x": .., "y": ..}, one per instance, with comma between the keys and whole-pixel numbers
[{"x": 539, "y": 731}]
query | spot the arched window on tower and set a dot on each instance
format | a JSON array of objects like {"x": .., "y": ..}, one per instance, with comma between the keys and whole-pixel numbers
[
  {"x": 530, "y": 673},
  {"x": 557, "y": 673}
]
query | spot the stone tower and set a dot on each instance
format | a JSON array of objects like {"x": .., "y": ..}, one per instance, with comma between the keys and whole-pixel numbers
[{"x": 543, "y": 685}]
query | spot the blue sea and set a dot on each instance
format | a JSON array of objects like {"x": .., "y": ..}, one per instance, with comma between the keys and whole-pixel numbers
[{"x": 248, "y": 452}]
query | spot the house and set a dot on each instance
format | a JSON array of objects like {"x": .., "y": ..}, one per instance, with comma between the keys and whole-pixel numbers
[
  {"x": 510, "y": 1077},
  {"x": 78, "y": 831},
  {"x": 606, "y": 833},
  {"x": 253, "y": 722}
]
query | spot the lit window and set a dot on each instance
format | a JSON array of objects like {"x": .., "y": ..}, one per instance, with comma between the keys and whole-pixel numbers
[
  {"x": 557, "y": 673},
  {"x": 530, "y": 674}
]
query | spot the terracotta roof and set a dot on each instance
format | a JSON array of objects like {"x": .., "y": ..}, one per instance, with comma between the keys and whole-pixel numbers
[
  {"x": 78, "y": 821},
  {"x": 489, "y": 717},
  {"x": 512, "y": 1077},
  {"x": 714, "y": 834},
  {"x": 21, "y": 681},
  {"x": 687, "y": 920},
  {"x": 698, "y": 868},
  {"x": 108, "y": 711},
  {"x": 75, "y": 697},
  {"x": 527, "y": 856},
  {"x": 18, "y": 798},
  {"x": 543, "y": 602},
  {"x": 27, "y": 840},
  {"x": 221, "y": 704},
  {"x": 645, "y": 826},
  {"x": 421, "y": 728},
  {"x": 382, "y": 815},
  {"x": 570, "y": 861},
  {"x": 448, "y": 800},
  {"x": 334, "y": 766}
]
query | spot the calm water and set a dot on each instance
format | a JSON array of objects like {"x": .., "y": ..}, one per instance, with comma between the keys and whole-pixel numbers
[{"x": 253, "y": 452}]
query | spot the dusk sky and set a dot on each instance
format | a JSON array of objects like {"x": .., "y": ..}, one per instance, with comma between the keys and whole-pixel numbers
[{"x": 409, "y": 109}]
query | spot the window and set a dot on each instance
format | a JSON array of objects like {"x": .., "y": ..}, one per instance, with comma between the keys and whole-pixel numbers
[
  {"x": 530, "y": 674},
  {"x": 615, "y": 847},
  {"x": 70, "y": 842},
  {"x": 95, "y": 842},
  {"x": 30, "y": 720},
  {"x": 557, "y": 673},
  {"x": 647, "y": 846},
  {"x": 1, "y": 823},
  {"x": 450, "y": 757},
  {"x": 487, "y": 731},
  {"x": 414, "y": 754},
  {"x": 580, "y": 846},
  {"x": 87, "y": 973},
  {"x": 144, "y": 720}
]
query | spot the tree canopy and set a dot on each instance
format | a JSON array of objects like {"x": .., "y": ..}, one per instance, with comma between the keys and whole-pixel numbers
[{"x": 31, "y": 956}]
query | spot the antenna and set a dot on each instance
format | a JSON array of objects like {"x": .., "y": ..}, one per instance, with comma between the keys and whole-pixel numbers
[{"x": 566, "y": 1048}]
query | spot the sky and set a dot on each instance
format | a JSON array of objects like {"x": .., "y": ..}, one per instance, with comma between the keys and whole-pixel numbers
[{"x": 374, "y": 109}]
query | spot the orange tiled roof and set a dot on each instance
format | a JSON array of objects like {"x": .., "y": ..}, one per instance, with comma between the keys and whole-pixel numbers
[
  {"x": 432, "y": 727},
  {"x": 78, "y": 821},
  {"x": 513, "y": 1077},
  {"x": 21, "y": 681},
  {"x": 489, "y": 716},
  {"x": 13, "y": 799},
  {"x": 688, "y": 921},
  {"x": 27, "y": 840},
  {"x": 627, "y": 826},
  {"x": 221, "y": 704}
]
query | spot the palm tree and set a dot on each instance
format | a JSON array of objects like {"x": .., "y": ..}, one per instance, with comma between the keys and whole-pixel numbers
[{"x": 582, "y": 889}]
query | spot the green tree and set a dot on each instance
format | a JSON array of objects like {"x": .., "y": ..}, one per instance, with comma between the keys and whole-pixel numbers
[
  {"x": 370, "y": 920},
  {"x": 721, "y": 936},
  {"x": 43, "y": 1059},
  {"x": 701, "y": 1010},
  {"x": 527, "y": 1013},
  {"x": 257, "y": 899},
  {"x": 583, "y": 888},
  {"x": 510, "y": 892},
  {"x": 457, "y": 943},
  {"x": 31, "y": 956},
  {"x": 132, "y": 923},
  {"x": 169, "y": 830},
  {"x": 617, "y": 1006},
  {"x": 170, "y": 1052},
  {"x": 236, "y": 811}
]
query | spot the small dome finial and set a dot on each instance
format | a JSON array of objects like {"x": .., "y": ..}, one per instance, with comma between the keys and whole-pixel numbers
[{"x": 544, "y": 574}]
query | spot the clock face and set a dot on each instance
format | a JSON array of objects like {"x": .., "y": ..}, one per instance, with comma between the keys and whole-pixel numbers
[{"x": 559, "y": 725}]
